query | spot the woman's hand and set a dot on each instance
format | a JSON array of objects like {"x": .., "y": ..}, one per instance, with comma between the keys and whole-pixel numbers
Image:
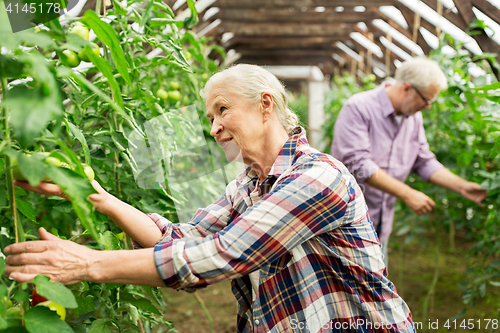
[
  {"x": 99, "y": 199},
  {"x": 61, "y": 260}
]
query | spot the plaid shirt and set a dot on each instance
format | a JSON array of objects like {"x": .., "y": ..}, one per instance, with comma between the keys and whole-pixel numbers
[{"x": 310, "y": 239}]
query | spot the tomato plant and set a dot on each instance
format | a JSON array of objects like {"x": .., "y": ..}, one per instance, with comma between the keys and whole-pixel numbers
[{"x": 89, "y": 120}]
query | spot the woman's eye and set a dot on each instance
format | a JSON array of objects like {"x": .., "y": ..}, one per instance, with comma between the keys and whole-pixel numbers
[{"x": 222, "y": 109}]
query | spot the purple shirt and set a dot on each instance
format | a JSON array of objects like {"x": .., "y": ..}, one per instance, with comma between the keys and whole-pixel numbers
[{"x": 368, "y": 137}]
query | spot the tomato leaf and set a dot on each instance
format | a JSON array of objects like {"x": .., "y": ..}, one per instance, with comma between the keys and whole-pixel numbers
[
  {"x": 78, "y": 134},
  {"x": 30, "y": 112},
  {"x": 85, "y": 304},
  {"x": 99, "y": 326},
  {"x": 77, "y": 188},
  {"x": 110, "y": 241},
  {"x": 141, "y": 303},
  {"x": 40, "y": 319},
  {"x": 31, "y": 168},
  {"x": 9, "y": 67},
  {"x": 26, "y": 209},
  {"x": 55, "y": 292},
  {"x": 192, "y": 20},
  {"x": 107, "y": 71},
  {"x": 108, "y": 36},
  {"x": 2, "y": 267}
]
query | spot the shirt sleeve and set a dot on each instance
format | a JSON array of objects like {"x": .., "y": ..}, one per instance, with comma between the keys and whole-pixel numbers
[
  {"x": 426, "y": 163},
  {"x": 351, "y": 144},
  {"x": 206, "y": 221},
  {"x": 309, "y": 201}
]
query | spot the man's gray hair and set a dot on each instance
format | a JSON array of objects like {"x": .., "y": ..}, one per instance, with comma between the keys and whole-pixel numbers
[
  {"x": 252, "y": 81},
  {"x": 422, "y": 73}
]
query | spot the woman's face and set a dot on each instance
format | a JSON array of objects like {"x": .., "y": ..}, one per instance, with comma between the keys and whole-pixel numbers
[{"x": 237, "y": 124}]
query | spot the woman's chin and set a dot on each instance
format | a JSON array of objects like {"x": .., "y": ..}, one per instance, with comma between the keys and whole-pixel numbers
[{"x": 233, "y": 152}]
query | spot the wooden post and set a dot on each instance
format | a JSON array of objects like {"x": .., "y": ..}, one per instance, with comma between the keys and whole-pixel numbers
[
  {"x": 388, "y": 57},
  {"x": 416, "y": 26},
  {"x": 369, "y": 59},
  {"x": 440, "y": 12},
  {"x": 354, "y": 67},
  {"x": 362, "y": 62},
  {"x": 464, "y": 8}
]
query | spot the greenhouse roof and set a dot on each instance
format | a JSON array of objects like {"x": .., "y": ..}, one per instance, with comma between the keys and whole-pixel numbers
[{"x": 367, "y": 35}]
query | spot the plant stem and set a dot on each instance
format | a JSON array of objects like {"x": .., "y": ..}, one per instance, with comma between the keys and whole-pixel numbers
[
  {"x": 10, "y": 178},
  {"x": 452, "y": 237},
  {"x": 204, "y": 308},
  {"x": 429, "y": 298},
  {"x": 141, "y": 325},
  {"x": 98, "y": 6}
]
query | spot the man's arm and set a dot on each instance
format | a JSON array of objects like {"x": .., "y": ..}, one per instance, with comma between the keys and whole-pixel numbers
[
  {"x": 469, "y": 190},
  {"x": 416, "y": 200}
]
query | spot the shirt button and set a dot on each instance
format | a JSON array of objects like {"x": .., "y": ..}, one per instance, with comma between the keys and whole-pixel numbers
[{"x": 256, "y": 322}]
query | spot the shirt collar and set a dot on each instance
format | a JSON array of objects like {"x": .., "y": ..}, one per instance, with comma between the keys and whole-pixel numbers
[
  {"x": 385, "y": 102},
  {"x": 285, "y": 157}
]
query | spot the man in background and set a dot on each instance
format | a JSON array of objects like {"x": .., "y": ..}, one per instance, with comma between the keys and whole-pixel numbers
[{"x": 379, "y": 136}]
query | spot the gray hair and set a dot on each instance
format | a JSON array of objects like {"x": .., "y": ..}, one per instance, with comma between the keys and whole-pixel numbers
[
  {"x": 422, "y": 73},
  {"x": 251, "y": 81}
]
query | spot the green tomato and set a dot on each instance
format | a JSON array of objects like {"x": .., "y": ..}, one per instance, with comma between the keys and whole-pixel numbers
[
  {"x": 80, "y": 30},
  {"x": 59, "y": 309},
  {"x": 187, "y": 55},
  {"x": 204, "y": 76},
  {"x": 174, "y": 85},
  {"x": 89, "y": 172},
  {"x": 72, "y": 59},
  {"x": 53, "y": 160},
  {"x": 161, "y": 93},
  {"x": 16, "y": 173},
  {"x": 14, "y": 311},
  {"x": 174, "y": 96},
  {"x": 95, "y": 49},
  {"x": 7, "y": 302}
]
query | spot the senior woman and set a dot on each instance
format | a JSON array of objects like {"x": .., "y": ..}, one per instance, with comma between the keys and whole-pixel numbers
[{"x": 292, "y": 231}]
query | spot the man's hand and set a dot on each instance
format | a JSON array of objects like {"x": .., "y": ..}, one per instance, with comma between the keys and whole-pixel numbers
[
  {"x": 61, "y": 260},
  {"x": 469, "y": 190},
  {"x": 473, "y": 192},
  {"x": 418, "y": 201}
]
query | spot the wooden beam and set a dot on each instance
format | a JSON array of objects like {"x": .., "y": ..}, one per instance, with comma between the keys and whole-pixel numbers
[
  {"x": 300, "y": 3},
  {"x": 485, "y": 43},
  {"x": 392, "y": 23},
  {"x": 283, "y": 61},
  {"x": 279, "y": 42},
  {"x": 440, "y": 13},
  {"x": 409, "y": 16},
  {"x": 284, "y": 15},
  {"x": 295, "y": 29},
  {"x": 488, "y": 9},
  {"x": 376, "y": 39},
  {"x": 293, "y": 52},
  {"x": 373, "y": 28},
  {"x": 447, "y": 14}
]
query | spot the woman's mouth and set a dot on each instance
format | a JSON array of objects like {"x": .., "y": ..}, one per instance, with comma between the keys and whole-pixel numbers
[{"x": 225, "y": 142}]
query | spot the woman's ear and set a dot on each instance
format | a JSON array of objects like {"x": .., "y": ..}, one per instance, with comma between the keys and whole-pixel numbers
[{"x": 266, "y": 103}]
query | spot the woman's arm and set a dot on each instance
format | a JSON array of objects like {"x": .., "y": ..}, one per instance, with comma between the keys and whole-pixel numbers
[
  {"x": 67, "y": 262},
  {"x": 132, "y": 221}
]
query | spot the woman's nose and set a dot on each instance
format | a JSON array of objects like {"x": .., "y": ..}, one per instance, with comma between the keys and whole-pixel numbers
[{"x": 216, "y": 128}]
